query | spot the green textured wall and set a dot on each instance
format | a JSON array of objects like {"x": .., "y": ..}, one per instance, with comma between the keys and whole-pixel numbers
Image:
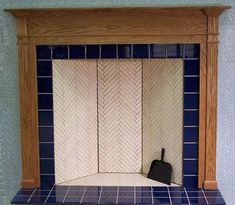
[{"x": 10, "y": 161}]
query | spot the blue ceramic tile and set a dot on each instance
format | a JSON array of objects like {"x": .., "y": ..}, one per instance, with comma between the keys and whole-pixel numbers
[
  {"x": 125, "y": 200},
  {"x": 37, "y": 200},
  {"x": 47, "y": 181},
  {"x": 107, "y": 200},
  {"x": 20, "y": 200},
  {"x": 46, "y": 150},
  {"x": 190, "y": 181},
  {"x": 174, "y": 51},
  {"x": 143, "y": 194},
  {"x": 149, "y": 189},
  {"x": 195, "y": 194},
  {"x": 124, "y": 189},
  {"x": 44, "y": 85},
  {"x": 191, "y": 134},
  {"x": 45, "y": 101},
  {"x": 178, "y": 194},
  {"x": 173, "y": 189},
  {"x": 72, "y": 200},
  {"x": 44, "y": 68},
  {"x": 190, "y": 150},
  {"x": 43, "y": 52},
  {"x": 214, "y": 194},
  {"x": 156, "y": 189},
  {"x": 124, "y": 51},
  {"x": 58, "y": 193},
  {"x": 192, "y": 50},
  {"x": 60, "y": 188},
  {"x": 90, "y": 200},
  {"x": 191, "y": 84},
  {"x": 143, "y": 200},
  {"x": 60, "y": 52},
  {"x": 45, "y": 118},
  {"x": 55, "y": 200},
  {"x": 140, "y": 51},
  {"x": 108, "y": 51},
  {"x": 109, "y": 189},
  {"x": 25, "y": 192},
  {"x": 218, "y": 201},
  {"x": 92, "y": 51},
  {"x": 201, "y": 201},
  {"x": 190, "y": 166},
  {"x": 95, "y": 189},
  {"x": 47, "y": 166},
  {"x": 126, "y": 194},
  {"x": 161, "y": 194},
  {"x": 191, "y": 117},
  {"x": 191, "y": 67},
  {"x": 75, "y": 193},
  {"x": 46, "y": 134},
  {"x": 41, "y": 193},
  {"x": 180, "y": 200},
  {"x": 158, "y": 51},
  {"x": 77, "y": 52},
  {"x": 161, "y": 200},
  {"x": 191, "y": 101},
  {"x": 110, "y": 193}
]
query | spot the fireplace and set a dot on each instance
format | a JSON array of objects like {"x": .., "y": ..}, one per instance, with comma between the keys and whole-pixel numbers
[{"x": 102, "y": 90}]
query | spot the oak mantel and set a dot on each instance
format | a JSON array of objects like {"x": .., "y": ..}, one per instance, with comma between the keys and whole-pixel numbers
[{"x": 119, "y": 26}]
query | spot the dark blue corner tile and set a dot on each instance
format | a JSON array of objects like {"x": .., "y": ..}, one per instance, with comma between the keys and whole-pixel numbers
[
  {"x": 198, "y": 201},
  {"x": 191, "y": 134},
  {"x": 191, "y": 101},
  {"x": 77, "y": 52},
  {"x": 45, "y": 101},
  {"x": 46, "y": 150},
  {"x": 160, "y": 194},
  {"x": 141, "y": 51},
  {"x": 108, "y": 51},
  {"x": 47, "y": 166},
  {"x": 37, "y": 200},
  {"x": 60, "y": 52},
  {"x": 44, "y": 85},
  {"x": 158, "y": 51},
  {"x": 124, "y": 51},
  {"x": 191, "y": 67},
  {"x": 47, "y": 181},
  {"x": 216, "y": 201},
  {"x": 191, "y": 117},
  {"x": 191, "y": 84},
  {"x": 44, "y": 68},
  {"x": 192, "y": 50},
  {"x": 191, "y": 151},
  {"x": 43, "y": 52},
  {"x": 190, "y": 181},
  {"x": 92, "y": 51},
  {"x": 20, "y": 200},
  {"x": 45, "y": 118},
  {"x": 46, "y": 134},
  {"x": 190, "y": 167},
  {"x": 174, "y": 51}
]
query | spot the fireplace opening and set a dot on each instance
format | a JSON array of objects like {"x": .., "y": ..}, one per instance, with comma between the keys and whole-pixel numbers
[{"x": 109, "y": 109}]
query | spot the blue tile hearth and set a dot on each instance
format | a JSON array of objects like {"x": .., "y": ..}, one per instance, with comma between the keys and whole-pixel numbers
[{"x": 118, "y": 195}]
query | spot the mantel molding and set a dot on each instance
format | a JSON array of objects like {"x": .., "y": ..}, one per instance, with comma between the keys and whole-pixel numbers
[{"x": 119, "y": 26}]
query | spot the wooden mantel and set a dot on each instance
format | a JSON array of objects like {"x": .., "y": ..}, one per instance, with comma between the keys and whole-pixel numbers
[{"x": 119, "y": 26}]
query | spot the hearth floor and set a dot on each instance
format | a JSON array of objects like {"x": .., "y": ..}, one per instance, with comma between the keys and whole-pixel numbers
[{"x": 127, "y": 195}]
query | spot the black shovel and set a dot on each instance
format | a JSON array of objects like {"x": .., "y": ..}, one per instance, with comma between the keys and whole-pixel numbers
[{"x": 160, "y": 171}]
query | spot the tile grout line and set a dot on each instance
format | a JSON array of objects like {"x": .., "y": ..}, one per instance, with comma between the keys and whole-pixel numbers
[
  {"x": 100, "y": 195},
  {"x": 83, "y": 195},
  {"x": 49, "y": 194},
  {"x": 134, "y": 195},
  {"x": 168, "y": 190},
  {"x": 117, "y": 195},
  {"x": 66, "y": 195},
  {"x": 205, "y": 196},
  {"x": 152, "y": 195},
  {"x": 31, "y": 195},
  {"x": 187, "y": 195}
]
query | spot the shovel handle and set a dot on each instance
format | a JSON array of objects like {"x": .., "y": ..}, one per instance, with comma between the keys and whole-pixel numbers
[{"x": 162, "y": 154}]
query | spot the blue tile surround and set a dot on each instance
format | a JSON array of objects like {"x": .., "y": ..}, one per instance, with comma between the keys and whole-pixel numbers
[
  {"x": 188, "y": 52},
  {"x": 117, "y": 195}
]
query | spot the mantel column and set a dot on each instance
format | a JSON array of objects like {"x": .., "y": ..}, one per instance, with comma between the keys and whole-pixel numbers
[{"x": 211, "y": 101}]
